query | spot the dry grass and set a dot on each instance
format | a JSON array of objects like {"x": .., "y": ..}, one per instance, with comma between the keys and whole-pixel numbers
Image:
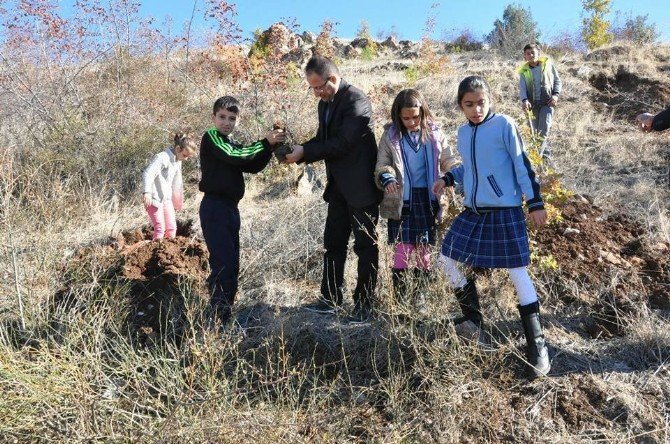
[{"x": 289, "y": 375}]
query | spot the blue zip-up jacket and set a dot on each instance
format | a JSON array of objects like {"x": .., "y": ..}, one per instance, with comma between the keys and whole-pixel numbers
[{"x": 495, "y": 170}]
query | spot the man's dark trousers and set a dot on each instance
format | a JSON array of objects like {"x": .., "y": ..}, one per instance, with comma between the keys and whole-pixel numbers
[
  {"x": 341, "y": 220},
  {"x": 220, "y": 222}
]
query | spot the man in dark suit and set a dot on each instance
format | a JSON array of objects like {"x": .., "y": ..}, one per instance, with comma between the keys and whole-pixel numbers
[{"x": 345, "y": 141}]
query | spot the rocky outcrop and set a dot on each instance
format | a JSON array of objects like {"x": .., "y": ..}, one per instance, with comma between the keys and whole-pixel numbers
[{"x": 280, "y": 41}]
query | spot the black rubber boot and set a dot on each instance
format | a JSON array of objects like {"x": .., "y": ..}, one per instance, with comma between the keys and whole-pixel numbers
[
  {"x": 468, "y": 299},
  {"x": 536, "y": 347}
]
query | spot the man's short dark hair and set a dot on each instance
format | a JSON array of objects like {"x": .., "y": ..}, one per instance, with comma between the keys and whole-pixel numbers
[
  {"x": 531, "y": 46},
  {"x": 321, "y": 66},
  {"x": 229, "y": 103}
]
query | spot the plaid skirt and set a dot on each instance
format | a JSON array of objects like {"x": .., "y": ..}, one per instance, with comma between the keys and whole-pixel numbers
[
  {"x": 416, "y": 224},
  {"x": 492, "y": 239}
]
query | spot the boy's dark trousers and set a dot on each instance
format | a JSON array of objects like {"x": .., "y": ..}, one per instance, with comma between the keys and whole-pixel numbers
[
  {"x": 341, "y": 220},
  {"x": 220, "y": 222}
]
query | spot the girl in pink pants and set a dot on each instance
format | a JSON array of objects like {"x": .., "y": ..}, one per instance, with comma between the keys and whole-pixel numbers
[
  {"x": 163, "y": 189},
  {"x": 412, "y": 154}
]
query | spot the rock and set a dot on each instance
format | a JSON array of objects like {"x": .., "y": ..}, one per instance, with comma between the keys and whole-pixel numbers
[
  {"x": 280, "y": 39},
  {"x": 299, "y": 56},
  {"x": 308, "y": 37},
  {"x": 614, "y": 259},
  {"x": 571, "y": 231},
  {"x": 351, "y": 52},
  {"x": 360, "y": 43},
  {"x": 408, "y": 49},
  {"x": 391, "y": 66},
  {"x": 584, "y": 72},
  {"x": 339, "y": 46},
  {"x": 390, "y": 43},
  {"x": 610, "y": 257},
  {"x": 637, "y": 261},
  {"x": 584, "y": 199},
  {"x": 660, "y": 247}
]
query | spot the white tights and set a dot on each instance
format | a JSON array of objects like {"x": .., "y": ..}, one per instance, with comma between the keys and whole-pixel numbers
[{"x": 525, "y": 289}]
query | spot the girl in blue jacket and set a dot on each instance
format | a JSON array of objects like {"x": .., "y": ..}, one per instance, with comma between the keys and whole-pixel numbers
[{"x": 491, "y": 232}]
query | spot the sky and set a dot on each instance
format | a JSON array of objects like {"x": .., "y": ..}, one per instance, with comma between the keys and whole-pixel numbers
[{"x": 408, "y": 17}]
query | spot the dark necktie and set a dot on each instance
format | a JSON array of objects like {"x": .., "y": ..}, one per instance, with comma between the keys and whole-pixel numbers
[{"x": 326, "y": 113}]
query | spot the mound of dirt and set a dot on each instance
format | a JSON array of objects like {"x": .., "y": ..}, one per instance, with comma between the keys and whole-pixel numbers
[
  {"x": 629, "y": 92},
  {"x": 611, "y": 256},
  {"x": 152, "y": 276}
]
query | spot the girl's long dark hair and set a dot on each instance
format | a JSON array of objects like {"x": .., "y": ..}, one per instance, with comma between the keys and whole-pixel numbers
[{"x": 411, "y": 98}]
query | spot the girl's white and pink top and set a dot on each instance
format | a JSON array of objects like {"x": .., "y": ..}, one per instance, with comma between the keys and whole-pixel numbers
[{"x": 163, "y": 180}]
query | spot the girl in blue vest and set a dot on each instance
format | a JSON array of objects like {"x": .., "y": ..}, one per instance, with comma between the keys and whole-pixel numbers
[
  {"x": 412, "y": 155},
  {"x": 491, "y": 232}
]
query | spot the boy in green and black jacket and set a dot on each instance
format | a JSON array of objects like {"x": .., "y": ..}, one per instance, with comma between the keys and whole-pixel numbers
[{"x": 222, "y": 163}]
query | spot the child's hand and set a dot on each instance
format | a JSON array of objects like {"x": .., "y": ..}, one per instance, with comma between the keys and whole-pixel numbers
[
  {"x": 276, "y": 136},
  {"x": 146, "y": 200},
  {"x": 538, "y": 217},
  {"x": 392, "y": 188},
  {"x": 295, "y": 155},
  {"x": 439, "y": 186}
]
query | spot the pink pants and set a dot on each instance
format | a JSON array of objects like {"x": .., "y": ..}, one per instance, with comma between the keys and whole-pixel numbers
[
  {"x": 164, "y": 220},
  {"x": 403, "y": 254}
]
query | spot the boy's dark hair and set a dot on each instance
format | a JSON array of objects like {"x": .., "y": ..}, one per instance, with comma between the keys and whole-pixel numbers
[
  {"x": 531, "y": 46},
  {"x": 229, "y": 103},
  {"x": 411, "y": 98},
  {"x": 321, "y": 66},
  {"x": 473, "y": 84}
]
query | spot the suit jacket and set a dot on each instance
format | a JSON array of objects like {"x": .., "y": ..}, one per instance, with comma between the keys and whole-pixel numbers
[
  {"x": 347, "y": 145},
  {"x": 661, "y": 120}
]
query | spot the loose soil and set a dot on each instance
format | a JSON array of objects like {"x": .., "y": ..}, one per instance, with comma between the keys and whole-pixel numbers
[
  {"x": 618, "y": 266},
  {"x": 152, "y": 276}
]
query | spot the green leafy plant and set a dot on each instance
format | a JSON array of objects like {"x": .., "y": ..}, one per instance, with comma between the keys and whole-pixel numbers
[
  {"x": 595, "y": 28},
  {"x": 370, "y": 51},
  {"x": 516, "y": 29},
  {"x": 636, "y": 30}
]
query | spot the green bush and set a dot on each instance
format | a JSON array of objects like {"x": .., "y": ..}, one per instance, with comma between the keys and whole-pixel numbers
[
  {"x": 514, "y": 31},
  {"x": 595, "y": 29}
]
